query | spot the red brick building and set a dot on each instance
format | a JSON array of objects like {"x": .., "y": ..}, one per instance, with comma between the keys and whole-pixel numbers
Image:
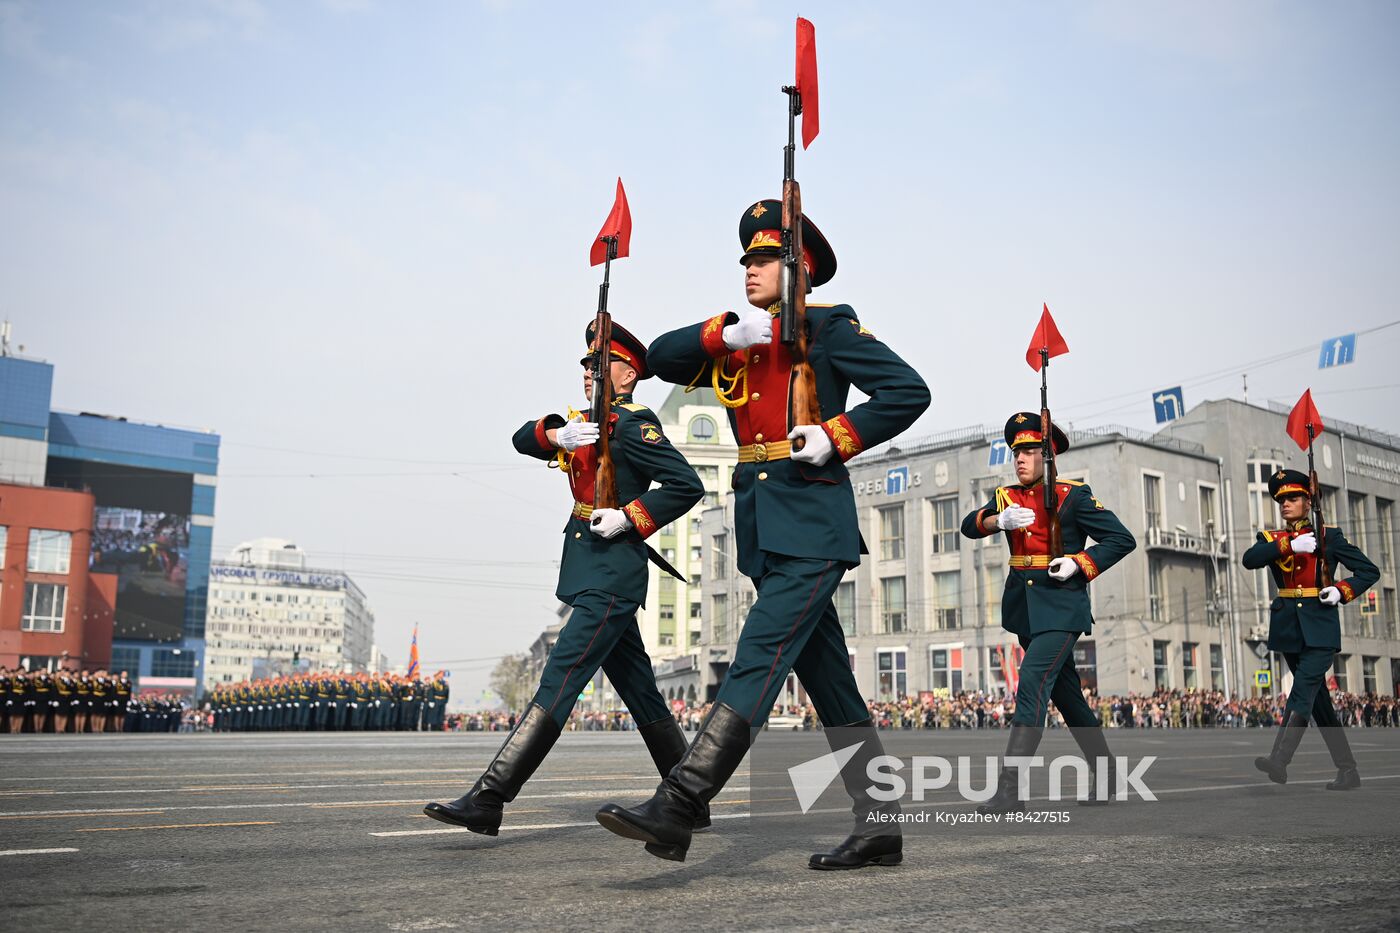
[{"x": 53, "y": 611}]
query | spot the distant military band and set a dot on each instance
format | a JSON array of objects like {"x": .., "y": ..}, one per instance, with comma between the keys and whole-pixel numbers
[{"x": 328, "y": 702}]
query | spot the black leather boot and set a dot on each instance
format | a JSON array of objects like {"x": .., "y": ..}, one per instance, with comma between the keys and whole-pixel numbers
[
  {"x": 480, "y": 808},
  {"x": 666, "y": 821},
  {"x": 1094, "y": 745},
  {"x": 876, "y": 838},
  {"x": 1348, "y": 778},
  {"x": 1285, "y": 744},
  {"x": 1023, "y": 742},
  {"x": 667, "y": 745}
]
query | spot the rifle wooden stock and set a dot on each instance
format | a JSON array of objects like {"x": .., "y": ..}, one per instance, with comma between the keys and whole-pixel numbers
[
  {"x": 1324, "y": 573},
  {"x": 605, "y": 480},
  {"x": 792, "y": 326}
]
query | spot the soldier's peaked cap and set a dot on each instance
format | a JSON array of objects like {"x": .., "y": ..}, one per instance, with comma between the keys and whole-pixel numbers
[
  {"x": 625, "y": 347},
  {"x": 761, "y": 234},
  {"x": 1288, "y": 483},
  {"x": 1023, "y": 430}
]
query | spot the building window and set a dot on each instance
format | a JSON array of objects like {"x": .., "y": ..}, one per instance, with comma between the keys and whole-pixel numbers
[
  {"x": 44, "y": 605},
  {"x": 695, "y": 553},
  {"x": 710, "y": 499},
  {"x": 1161, "y": 669},
  {"x": 126, "y": 659},
  {"x": 1368, "y": 674},
  {"x": 172, "y": 663},
  {"x": 49, "y": 551},
  {"x": 1156, "y": 593},
  {"x": 846, "y": 607},
  {"x": 702, "y": 429},
  {"x": 1217, "y": 668},
  {"x": 892, "y": 604},
  {"x": 1263, "y": 511},
  {"x": 1188, "y": 665},
  {"x": 945, "y": 525},
  {"x": 666, "y": 639},
  {"x": 708, "y": 473},
  {"x": 667, "y": 584},
  {"x": 719, "y": 560},
  {"x": 945, "y": 600},
  {"x": 695, "y": 612},
  {"x": 1392, "y": 622},
  {"x": 1086, "y": 661},
  {"x": 1356, "y": 514},
  {"x": 945, "y": 667},
  {"x": 892, "y": 677},
  {"x": 1339, "y": 670},
  {"x": 1152, "y": 500},
  {"x": 695, "y": 526},
  {"x": 719, "y": 617},
  {"x": 1209, "y": 512},
  {"x": 892, "y": 532},
  {"x": 1385, "y": 528}
]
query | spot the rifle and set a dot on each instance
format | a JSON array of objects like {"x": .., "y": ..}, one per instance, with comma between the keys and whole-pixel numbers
[
  {"x": 600, "y": 407},
  {"x": 1324, "y": 573},
  {"x": 792, "y": 319},
  {"x": 1047, "y": 452}
]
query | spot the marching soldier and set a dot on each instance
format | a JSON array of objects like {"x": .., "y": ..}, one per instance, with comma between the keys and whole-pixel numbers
[
  {"x": 437, "y": 701},
  {"x": 602, "y": 576},
  {"x": 796, "y": 530},
  {"x": 121, "y": 696},
  {"x": 1046, "y": 601},
  {"x": 1304, "y": 623}
]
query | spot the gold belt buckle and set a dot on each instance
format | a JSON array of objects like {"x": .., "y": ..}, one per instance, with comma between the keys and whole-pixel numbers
[{"x": 760, "y": 453}]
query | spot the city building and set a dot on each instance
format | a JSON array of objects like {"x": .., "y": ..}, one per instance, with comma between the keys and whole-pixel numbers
[
  {"x": 1358, "y": 471},
  {"x": 922, "y": 612},
  {"x": 54, "y": 612},
  {"x": 271, "y": 613},
  {"x": 151, "y": 492}
]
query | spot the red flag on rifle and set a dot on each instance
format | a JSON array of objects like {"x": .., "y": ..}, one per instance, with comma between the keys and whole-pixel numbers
[
  {"x": 1047, "y": 337},
  {"x": 618, "y": 224},
  {"x": 807, "y": 79},
  {"x": 1303, "y": 414}
]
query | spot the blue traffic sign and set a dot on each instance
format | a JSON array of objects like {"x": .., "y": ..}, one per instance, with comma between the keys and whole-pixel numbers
[
  {"x": 1337, "y": 351},
  {"x": 1168, "y": 405},
  {"x": 997, "y": 456}
]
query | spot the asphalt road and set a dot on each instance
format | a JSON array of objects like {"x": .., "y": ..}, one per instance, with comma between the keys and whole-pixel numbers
[{"x": 324, "y": 831}]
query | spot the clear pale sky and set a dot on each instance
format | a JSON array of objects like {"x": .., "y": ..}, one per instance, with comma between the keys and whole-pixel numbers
[{"x": 352, "y": 237}]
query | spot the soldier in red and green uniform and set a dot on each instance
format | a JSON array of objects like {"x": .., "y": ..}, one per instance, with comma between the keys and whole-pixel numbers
[
  {"x": 602, "y": 576},
  {"x": 795, "y": 530},
  {"x": 1046, "y": 600},
  {"x": 1304, "y": 623}
]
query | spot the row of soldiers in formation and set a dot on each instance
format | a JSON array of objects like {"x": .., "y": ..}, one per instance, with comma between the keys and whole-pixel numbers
[
  {"x": 331, "y": 702},
  {"x": 797, "y": 534},
  {"x": 63, "y": 701}
]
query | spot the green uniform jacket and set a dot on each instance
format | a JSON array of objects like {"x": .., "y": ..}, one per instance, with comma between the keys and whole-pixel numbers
[
  {"x": 1033, "y": 602},
  {"x": 782, "y": 506},
  {"x": 1305, "y": 621},
  {"x": 641, "y": 456}
]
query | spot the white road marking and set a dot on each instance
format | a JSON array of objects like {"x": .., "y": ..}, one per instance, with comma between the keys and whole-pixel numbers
[
  {"x": 4, "y": 852},
  {"x": 461, "y": 829}
]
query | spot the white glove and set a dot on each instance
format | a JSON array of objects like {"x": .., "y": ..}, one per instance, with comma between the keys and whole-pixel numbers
[
  {"x": 609, "y": 523},
  {"x": 816, "y": 446},
  {"x": 576, "y": 433},
  {"x": 1062, "y": 568},
  {"x": 1330, "y": 595},
  {"x": 1015, "y": 516},
  {"x": 1305, "y": 543},
  {"x": 756, "y": 326}
]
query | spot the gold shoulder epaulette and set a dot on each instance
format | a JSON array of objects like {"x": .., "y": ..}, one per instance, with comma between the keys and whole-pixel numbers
[
  {"x": 632, "y": 406},
  {"x": 1070, "y": 482}
]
